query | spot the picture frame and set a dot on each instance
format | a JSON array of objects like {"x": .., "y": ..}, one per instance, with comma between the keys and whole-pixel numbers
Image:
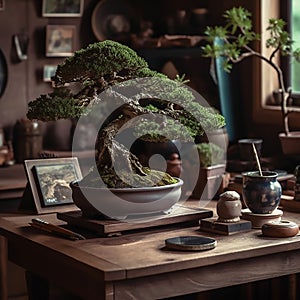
[
  {"x": 60, "y": 40},
  {"x": 2, "y": 5},
  {"x": 48, "y": 72},
  {"x": 49, "y": 181},
  {"x": 62, "y": 8}
]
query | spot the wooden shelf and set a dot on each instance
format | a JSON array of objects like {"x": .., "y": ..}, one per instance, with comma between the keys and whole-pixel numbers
[{"x": 13, "y": 181}]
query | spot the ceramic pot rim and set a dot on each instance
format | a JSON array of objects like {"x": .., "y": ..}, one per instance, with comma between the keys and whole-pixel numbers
[
  {"x": 256, "y": 174},
  {"x": 291, "y": 135},
  {"x": 250, "y": 141},
  {"x": 133, "y": 189}
]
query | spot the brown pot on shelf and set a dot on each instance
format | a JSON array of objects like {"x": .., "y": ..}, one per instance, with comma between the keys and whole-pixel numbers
[
  {"x": 290, "y": 144},
  {"x": 218, "y": 137},
  {"x": 28, "y": 140},
  {"x": 144, "y": 150},
  {"x": 246, "y": 148},
  {"x": 209, "y": 182}
]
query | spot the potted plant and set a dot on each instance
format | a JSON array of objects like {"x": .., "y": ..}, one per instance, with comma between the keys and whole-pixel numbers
[
  {"x": 237, "y": 35},
  {"x": 211, "y": 171},
  {"x": 108, "y": 81}
]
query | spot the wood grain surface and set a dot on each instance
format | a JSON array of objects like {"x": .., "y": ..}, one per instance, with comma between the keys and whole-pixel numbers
[{"x": 138, "y": 264}]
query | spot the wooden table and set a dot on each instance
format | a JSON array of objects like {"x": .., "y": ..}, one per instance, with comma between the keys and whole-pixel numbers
[{"x": 139, "y": 266}]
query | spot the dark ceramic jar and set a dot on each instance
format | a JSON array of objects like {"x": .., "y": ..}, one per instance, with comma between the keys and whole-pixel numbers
[
  {"x": 261, "y": 194},
  {"x": 246, "y": 148},
  {"x": 28, "y": 140}
]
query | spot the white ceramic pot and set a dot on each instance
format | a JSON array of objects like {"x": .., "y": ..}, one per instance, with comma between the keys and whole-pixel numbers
[{"x": 121, "y": 203}]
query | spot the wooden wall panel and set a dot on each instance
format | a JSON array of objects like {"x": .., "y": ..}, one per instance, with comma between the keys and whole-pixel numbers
[{"x": 25, "y": 81}]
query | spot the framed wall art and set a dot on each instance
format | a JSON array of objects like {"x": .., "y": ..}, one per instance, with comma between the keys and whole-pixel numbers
[
  {"x": 2, "y": 5},
  {"x": 48, "y": 72},
  {"x": 62, "y": 8},
  {"x": 60, "y": 40},
  {"x": 49, "y": 181}
]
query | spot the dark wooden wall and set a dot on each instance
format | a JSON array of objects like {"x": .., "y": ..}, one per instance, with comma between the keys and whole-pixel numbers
[{"x": 25, "y": 78}]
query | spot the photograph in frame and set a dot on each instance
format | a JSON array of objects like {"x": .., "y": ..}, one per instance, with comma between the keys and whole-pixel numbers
[
  {"x": 49, "y": 181},
  {"x": 53, "y": 183},
  {"x": 49, "y": 72},
  {"x": 60, "y": 40},
  {"x": 62, "y": 8}
]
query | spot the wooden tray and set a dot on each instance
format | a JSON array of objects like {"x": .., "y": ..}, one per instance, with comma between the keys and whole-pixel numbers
[{"x": 108, "y": 227}]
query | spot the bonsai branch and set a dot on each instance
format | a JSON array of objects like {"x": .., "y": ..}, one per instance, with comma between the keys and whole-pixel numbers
[
  {"x": 108, "y": 67},
  {"x": 237, "y": 35}
]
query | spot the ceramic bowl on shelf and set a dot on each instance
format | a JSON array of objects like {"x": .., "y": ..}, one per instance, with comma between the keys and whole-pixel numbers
[{"x": 113, "y": 19}]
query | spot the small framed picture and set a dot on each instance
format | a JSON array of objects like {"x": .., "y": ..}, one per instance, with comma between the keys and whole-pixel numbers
[
  {"x": 60, "y": 40},
  {"x": 49, "y": 72},
  {"x": 62, "y": 8},
  {"x": 2, "y": 5},
  {"x": 49, "y": 180}
]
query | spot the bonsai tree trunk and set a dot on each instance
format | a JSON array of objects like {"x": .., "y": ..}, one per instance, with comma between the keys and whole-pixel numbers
[{"x": 111, "y": 151}]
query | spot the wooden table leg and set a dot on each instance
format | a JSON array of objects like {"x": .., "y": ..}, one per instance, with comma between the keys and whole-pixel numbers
[
  {"x": 3, "y": 268},
  {"x": 292, "y": 287},
  {"x": 37, "y": 287}
]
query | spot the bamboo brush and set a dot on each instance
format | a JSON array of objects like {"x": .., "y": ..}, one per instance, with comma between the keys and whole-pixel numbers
[{"x": 257, "y": 159}]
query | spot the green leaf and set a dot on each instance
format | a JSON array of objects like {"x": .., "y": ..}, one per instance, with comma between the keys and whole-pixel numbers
[
  {"x": 296, "y": 55},
  {"x": 227, "y": 66}
]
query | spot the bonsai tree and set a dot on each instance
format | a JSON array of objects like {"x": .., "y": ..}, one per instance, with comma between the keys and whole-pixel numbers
[
  {"x": 237, "y": 36},
  {"x": 79, "y": 83}
]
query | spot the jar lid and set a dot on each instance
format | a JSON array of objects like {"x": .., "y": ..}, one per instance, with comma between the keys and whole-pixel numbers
[{"x": 230, "y": 195}]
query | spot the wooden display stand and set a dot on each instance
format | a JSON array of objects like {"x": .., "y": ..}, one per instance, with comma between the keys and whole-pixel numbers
[
  {"x": 180, "y": 215},
  {"x": 213, "y": 225},
  {"x": 260, "y": 219}
]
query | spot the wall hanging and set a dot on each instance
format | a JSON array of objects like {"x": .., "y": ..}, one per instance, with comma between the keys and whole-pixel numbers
[{"x": 62, "y": 8}]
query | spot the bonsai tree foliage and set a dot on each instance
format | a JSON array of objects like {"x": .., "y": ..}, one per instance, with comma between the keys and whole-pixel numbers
[
  {"x": 237, "y": 36},
  {"x": 108, "y": 66},
  {"x": 210, "y": 154}
]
